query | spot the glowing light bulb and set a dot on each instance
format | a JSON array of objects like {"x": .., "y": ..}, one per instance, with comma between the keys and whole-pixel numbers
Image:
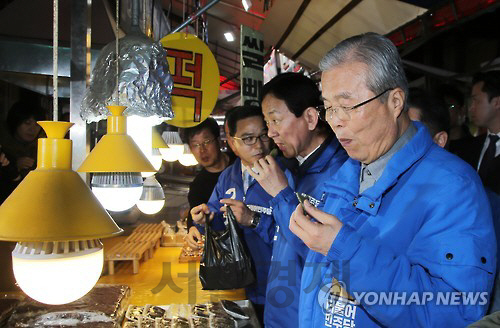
[
  {"x": 175, "y": 146},
  {"x": 117, "y": 191},
  {"x": 57, "y": 272},
  {"x": 152, "y": 198},
  {"x": 187, "y": 158},
  {"x": 172, "y": 153}
]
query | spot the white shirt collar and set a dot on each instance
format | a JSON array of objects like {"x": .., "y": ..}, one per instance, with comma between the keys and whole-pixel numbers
[{"x": 301, "y": 159}]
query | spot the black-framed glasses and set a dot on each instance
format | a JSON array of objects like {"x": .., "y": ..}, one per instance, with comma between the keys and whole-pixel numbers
[
  {"x": 203, "y": 144},
  {"x": 342, "y": 112},
  {"x": 251, "y": 140}
]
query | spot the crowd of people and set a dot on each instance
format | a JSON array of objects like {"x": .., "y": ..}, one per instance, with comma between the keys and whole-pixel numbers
[{"x": 397, "y": 227}]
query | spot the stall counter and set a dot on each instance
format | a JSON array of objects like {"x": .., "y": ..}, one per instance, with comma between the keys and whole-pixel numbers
[{"x": 163, "y": 280}]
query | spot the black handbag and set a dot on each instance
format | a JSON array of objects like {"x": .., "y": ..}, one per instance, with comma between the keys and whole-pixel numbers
[{"x": 225, "y": 263}]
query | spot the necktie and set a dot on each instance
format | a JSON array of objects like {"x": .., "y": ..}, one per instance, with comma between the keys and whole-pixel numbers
[
  {"x": 247, "y": 179},
  {"x": 488, "y": 157}
]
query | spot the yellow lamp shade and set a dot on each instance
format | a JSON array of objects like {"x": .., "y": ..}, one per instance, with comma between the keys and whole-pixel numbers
[
  {"x": 53, "y": 203},
  {"x": 116, "y": 151},
  {"x": 158, "y": 141}
]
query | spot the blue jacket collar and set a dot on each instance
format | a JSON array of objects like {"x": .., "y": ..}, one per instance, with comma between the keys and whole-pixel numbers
[{"x": 346, "y": 181}]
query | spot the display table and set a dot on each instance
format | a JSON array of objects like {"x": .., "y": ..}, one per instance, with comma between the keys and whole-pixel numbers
[{"x": 163, "y": 280}]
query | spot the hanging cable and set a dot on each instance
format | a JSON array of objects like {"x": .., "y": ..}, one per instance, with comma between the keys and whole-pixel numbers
[
  {"x": 117, "y": 53},
  {"x": 55, "y": 41}
]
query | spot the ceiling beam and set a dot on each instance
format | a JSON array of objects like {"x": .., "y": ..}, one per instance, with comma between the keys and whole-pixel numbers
[
  {"x": 229, "y": 66},
  {"x": 327, "y": 26},
  {"x": 224, "y": 57},
  {"x": 230, "y": 78},
  {"x": 293, "y": 22},
  {"x": 228, "y": 73},
  {"x": 217, "y": 45}
]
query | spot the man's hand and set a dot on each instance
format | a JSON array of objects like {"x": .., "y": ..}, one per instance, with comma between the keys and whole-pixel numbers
[
  {"x": 241, "y": 212},
  {"x": 193, "y": 239},
  {"x": 318, "y": 236},
  {"x": 25, "y": 163},
  {"x": 269, "y": 175},
  {"x": 199, "y": 212}
]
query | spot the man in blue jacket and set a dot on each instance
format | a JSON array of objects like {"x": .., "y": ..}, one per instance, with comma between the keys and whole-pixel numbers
[
  {"x": 248, "y": 201},
  {"x": 405, "y": 236},
  {"x": 312, "y": 154}
]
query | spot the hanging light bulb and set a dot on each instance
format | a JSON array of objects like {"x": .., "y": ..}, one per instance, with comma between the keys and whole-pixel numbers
[
  {"x": 175, "y": 146},
  {"x": 187, "y": 158},
  {"x": 117, "y": 191},
  {"x": 57, "y": 223},
  {"x": 152, "y": 198},
  {"x": 117, "y": 163}
]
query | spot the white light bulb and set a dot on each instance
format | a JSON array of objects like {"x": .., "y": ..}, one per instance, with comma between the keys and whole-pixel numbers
[
  {"x": 187, "y": 158},
  {"x": 169, "y": 154},
  {"x": 152, "y": 198},
  {"x": 56, "y": 276},
  {"x": 150, "y": 206},
  {"x": 172, "y": 153},
  {"x": 117, "y": 191},
  {"x": 175, "y": 146}
]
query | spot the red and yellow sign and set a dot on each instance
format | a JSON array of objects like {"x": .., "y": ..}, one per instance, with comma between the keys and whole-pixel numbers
[{"x": 196, "y": 78}]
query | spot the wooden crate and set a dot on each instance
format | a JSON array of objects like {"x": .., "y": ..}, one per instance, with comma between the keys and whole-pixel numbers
[{"x": 126, "y": 251}]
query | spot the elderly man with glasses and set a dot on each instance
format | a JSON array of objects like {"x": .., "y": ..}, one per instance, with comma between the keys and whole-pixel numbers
[
  {"x": 404, "y": 236},
  {"x": 249, "y": 202}
]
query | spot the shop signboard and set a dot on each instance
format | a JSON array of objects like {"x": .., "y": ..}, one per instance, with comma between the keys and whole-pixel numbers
[
  {"x": 252, "y": 64},
  {"x": 196, "y": 78}
]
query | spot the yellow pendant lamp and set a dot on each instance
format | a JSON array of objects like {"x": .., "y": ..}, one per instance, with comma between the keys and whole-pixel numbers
[
  {"x": 117, "y": 163},
  {"x": 57, "y": 222}
]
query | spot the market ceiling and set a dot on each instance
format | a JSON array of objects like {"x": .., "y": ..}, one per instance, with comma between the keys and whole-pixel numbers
[{"x": 302, "y": 29}]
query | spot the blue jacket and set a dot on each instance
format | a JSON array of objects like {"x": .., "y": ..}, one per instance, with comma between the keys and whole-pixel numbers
[
  {"x": 289, "y": 252},
  {"x": 258, "y": 240},
  {"x": 424, "y": 227}
]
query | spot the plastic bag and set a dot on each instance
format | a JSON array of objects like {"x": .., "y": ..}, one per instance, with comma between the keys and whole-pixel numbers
[{"x": 226, "y": 263}]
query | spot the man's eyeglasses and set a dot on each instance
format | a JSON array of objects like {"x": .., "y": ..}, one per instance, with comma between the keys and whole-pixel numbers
[
  {"x": 251, "y": 140},
  {"x": 203, "y": 144},
  {"x": 343, "y": 113}
]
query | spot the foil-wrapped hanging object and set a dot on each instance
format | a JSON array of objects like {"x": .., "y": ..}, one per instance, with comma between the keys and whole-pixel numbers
[{"x": 144, "y": 80}]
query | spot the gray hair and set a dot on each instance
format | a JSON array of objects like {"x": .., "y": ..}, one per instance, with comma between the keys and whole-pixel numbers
[{"x": 378, "y": 53}]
